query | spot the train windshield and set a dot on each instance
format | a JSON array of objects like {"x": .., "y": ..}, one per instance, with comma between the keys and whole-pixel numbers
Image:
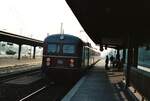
[
  {"x": 68, "y": 49},
  {"x": 53, "y": 48}
]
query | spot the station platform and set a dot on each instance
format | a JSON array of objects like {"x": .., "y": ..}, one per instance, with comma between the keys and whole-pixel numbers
[
  {"x": 12, "y": 64},
  {"x": 13, "y": 61},
  {"x": 98, "y": 85}
]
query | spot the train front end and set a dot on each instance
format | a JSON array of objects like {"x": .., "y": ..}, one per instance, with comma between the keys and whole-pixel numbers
[{"x": 61, "y": 58}]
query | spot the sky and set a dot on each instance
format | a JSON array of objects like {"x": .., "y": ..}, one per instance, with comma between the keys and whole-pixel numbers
[{"x": 37, "y": 18}]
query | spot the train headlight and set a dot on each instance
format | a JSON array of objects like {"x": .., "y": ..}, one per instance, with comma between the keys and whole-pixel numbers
[
  {"x": 48, "y": 59},
  {"x": 71, "y": 62}
]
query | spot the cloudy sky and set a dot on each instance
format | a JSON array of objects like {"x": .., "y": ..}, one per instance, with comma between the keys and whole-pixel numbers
[{"x": 36, "y": 18}]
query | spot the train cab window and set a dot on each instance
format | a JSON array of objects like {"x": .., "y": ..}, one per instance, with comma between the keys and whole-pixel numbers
[
  {"x": 53, "y": 48},
  {"x": 68, "y": 49}
]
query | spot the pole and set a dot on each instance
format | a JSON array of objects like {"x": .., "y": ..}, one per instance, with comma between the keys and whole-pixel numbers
[
  {"x": 19, "y": 52},
  {"x": 34, "y": 50}
]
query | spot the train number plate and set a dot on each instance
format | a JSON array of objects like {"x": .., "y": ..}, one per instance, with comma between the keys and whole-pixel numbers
[{"x": 59, "y": 61}]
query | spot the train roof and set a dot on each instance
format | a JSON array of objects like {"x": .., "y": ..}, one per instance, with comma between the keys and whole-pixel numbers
[{"x": 62, "y": 37}]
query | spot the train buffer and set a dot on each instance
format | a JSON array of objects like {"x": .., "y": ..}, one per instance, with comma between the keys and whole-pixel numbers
[{"x": 97, "y": 86}]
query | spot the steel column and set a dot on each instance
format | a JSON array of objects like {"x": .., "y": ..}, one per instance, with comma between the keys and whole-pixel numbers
[
  {"x": 124, "y": 55},
  {"x": 34, "y": 50},
  {"x": 118, "y": 54},
  {"x": 135, "y": 63},
  {"x": 19, "y": 52},
  {"x": 129, "y": 60}
]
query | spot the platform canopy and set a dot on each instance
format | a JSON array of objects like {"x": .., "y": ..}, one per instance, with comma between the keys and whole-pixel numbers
[
  {"x": 112, "y": 22},
  {"x": 18, "y": 39}
]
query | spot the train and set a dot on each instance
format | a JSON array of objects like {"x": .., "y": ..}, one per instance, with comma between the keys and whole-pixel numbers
[{"x": 67, "y": 57}]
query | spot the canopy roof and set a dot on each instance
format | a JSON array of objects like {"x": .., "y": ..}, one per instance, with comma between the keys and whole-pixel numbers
[{"x": 112, "y": 22}]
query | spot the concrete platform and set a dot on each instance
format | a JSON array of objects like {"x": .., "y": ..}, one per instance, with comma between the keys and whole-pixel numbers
[
  {"x": 13, "y": 65},
  {"x": 101, "y": 85},
  {"x": 95, "y": 86},
  {"x": 6, "y": 62}
]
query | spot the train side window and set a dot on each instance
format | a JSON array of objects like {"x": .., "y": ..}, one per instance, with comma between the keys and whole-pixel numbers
[{"x": 68, "y": 49}]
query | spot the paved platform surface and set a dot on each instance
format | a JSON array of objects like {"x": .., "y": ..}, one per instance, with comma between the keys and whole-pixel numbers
[
  {"x": 12, "y": 62},
  {"x": 98, "y": 85}
]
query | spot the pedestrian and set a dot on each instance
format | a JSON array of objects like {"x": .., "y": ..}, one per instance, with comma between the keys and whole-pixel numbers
[
  {"x": 112, "y": 61},
  {"x": 106, "y": 62}
]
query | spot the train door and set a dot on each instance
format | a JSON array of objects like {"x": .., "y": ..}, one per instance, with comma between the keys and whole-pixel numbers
[
  {"x": 83, "y": 57},
  {"x": 86, "y": 56}
]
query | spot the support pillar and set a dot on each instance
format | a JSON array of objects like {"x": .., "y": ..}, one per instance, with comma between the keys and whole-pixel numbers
[
  {"x": 124, "y": 55},
  {"x": 34, "y": 50},
  {"x": 135, "y": 62},
  {"x": 19, "y": 52},
  {"x": 129, "y": 63},
  {"x": 129, "y": 60},
  {"x": 118, "y": 55}
]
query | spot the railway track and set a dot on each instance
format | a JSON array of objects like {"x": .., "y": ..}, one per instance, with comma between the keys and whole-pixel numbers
[
  {"x": 32, "y": 94},
  {"x": 51, "y": 92},
  {"x": 36, "y": 91},
  {"x": 13, "y": 75},
  {"x": 11, "y": 90}
]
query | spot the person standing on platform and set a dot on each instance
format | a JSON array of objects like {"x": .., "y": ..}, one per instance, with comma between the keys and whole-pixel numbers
[
  {"x": 112, "y": 61},
  {"x": 106, "y": 62}
]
